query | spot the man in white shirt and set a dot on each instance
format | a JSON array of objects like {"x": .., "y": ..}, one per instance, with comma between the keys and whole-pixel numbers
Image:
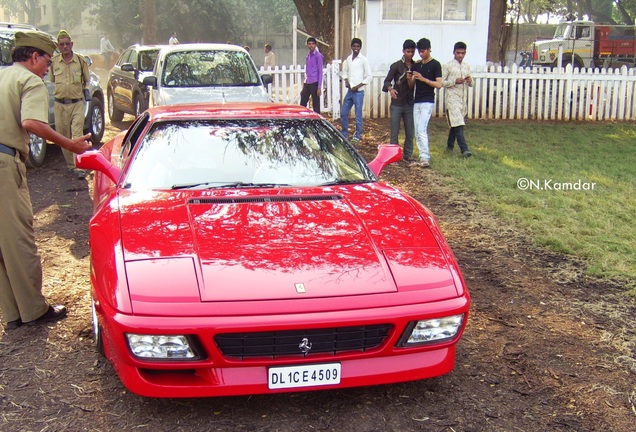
[
  {"x": 456, "y": 78},
  {"x": 106, "y": 49},
  {"x": 356, "y": 73},
  {"x": 173, "y": 39},
  {"x": 270, "y": 57}
]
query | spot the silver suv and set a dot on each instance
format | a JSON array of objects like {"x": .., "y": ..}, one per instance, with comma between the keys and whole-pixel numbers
[
  {"x": 194, "y": 73},
  {"x": 93, "y": 112}
]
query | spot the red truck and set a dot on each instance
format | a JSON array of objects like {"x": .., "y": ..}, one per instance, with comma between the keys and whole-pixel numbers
[{"x": 586, "y": 44}]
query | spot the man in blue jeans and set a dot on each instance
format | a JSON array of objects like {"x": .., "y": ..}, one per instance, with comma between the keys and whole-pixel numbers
[
  {"x": 396, "y": 84},
  {"x": 356, "y": 73},
  {"x": 426, "y": 76}
]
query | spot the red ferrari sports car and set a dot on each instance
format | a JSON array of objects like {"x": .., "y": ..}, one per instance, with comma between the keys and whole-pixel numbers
[{"x": 248, "y": 248}]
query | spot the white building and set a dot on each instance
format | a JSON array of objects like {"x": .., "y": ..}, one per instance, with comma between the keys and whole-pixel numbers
[{"x": 383, "y": 25}]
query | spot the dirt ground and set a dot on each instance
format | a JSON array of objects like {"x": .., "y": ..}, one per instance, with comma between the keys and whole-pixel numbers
[{"x": 545, "y": 348}]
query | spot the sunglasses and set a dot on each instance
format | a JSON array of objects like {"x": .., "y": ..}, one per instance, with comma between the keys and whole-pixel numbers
[{"x": 48, "y": 60}]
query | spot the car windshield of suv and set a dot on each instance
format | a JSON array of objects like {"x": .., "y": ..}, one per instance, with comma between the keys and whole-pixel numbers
[
  {"x": 6, "y": 44},
  {"x": 244, "y": 153},
  {"x": 209, "y": 68},
  {"x": 147, "y": 60}
]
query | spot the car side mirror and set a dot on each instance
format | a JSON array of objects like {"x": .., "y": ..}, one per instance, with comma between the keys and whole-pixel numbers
[
  {"x": 150, "y": 81},
  {"x": 267, "y": 79},
  {"x": 387, "y": 154},
  {"x": 127, "y": 67},
  {"x": 95, "y": 160}
]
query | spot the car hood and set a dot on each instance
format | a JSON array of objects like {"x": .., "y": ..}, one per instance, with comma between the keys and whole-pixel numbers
[
  {"x": 279, "y": 245},
  {"x": 172, "y": 95}
]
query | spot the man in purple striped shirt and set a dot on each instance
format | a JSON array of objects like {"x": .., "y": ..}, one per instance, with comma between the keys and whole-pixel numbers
[{"x": 313, "y": 76}]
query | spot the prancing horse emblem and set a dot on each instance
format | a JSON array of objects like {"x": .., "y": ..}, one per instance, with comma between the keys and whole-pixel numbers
[{"x": 305, "y": 346}]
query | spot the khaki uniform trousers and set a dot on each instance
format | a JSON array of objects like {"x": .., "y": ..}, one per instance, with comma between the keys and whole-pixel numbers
[
  {"x": 69, "y": 121},
  {"x": 20, "y": 265}
]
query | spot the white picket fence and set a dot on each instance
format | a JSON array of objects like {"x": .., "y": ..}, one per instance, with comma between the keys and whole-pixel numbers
[{"x": 498, "y": 93}]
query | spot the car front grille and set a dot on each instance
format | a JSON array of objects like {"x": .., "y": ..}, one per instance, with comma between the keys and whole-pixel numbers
[{"x": 334, "y": 341}]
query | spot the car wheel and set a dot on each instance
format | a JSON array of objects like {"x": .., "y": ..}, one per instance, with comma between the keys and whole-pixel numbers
[
  {"x": 96, "y": 120},
  {"x": 97, "y": 331},
  {"x": 114, "y": 114},
  {"x": 140, "y": 105},
  {"x": 37, "y": 151}
]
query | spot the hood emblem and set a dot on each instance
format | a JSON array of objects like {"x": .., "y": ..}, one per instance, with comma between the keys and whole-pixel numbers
[
  {"x": 300, "y": 288},
  {"x": 305, "y": 346}
]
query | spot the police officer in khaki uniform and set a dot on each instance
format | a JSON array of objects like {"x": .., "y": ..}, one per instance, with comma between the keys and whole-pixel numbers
[
  {"x": 70, "y": 74},
  {"x": 24, "y": 107}
]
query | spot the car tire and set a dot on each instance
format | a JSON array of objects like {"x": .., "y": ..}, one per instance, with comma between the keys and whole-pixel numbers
[
  {"x": 114, "y": 114},
  {"x": 97, "y": 331},
  {"x": 37, "y": 151},
  {"x": 140, "y": 105},
  {"x": 96, "y": 120}
]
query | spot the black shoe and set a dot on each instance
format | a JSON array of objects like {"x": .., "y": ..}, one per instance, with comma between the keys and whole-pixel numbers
[
  {"x": 449, "y": 149},
  {"x": 466, "y": 154},
  {"x": 55, "y": 313},
  {"x": 12, "y": 325}
]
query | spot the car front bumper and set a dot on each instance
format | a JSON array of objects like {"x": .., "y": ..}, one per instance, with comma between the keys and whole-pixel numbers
[{"x": 218, "y": 375}]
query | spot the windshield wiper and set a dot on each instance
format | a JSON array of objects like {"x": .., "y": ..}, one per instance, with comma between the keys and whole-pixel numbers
[
  {"x": 190, "y": 185},
  {"x": 252, "y": 185},
  {"x": 226, "y": 185},
  {"x": 344, "y": 182}
]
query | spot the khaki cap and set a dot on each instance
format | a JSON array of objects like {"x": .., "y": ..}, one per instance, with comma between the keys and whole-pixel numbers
[
  {"x": 63, "y": 34},
  {"x": 35, "y": 39}
]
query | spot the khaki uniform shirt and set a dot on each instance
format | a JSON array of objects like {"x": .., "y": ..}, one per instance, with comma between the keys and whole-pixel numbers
[
  {"x": 270, "y": 60},
  {"x": 23, "y": 96},
  {"x": 69, "y": 78},
  {"x": 456, "y": 95}
]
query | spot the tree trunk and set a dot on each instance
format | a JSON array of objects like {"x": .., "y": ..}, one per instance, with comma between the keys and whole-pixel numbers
[
  {"x": 149, "y": 22},
  {"x": 498, "y": 37},
  {"x": 318, "y": 18}
]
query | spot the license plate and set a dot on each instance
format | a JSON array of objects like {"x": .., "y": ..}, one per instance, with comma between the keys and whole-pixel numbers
[{"x": 303, "y": 376}]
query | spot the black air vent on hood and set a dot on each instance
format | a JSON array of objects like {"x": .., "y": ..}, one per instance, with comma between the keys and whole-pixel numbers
[{"x": 264, "y": 199}]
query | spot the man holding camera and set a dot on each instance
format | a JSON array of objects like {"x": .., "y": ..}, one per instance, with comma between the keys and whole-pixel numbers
[{"x": 401, "y": 110}]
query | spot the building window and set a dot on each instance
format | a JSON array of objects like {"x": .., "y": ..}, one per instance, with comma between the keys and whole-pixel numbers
[{"x": 427, "y": 10}]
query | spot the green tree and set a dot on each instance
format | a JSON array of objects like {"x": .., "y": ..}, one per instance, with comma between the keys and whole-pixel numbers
[
  {"x": 193, "y": 20},
  {"x": 29, "y": 7},
  {"x": 270, "y": 16},
  {"x": 606, "y": 11}
]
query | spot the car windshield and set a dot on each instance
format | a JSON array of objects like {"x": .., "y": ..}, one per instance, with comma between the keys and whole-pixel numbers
[
  {"x": 147, "y": 60},
  {"x": 244, "y": 153},
  {"x": 560, "y": 31},
  {"x": 209, "y": 68},
  {"x": 6, "y": 45}
]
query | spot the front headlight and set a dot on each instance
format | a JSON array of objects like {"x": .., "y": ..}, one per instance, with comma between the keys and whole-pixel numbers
[
  {"x": 161, "y": 347},
  {"x": 432, "y": 331}
]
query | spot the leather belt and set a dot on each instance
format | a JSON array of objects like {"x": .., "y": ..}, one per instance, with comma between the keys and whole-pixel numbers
[
  {"x": 67, "y": 101},
  {"x": 7, "y": 150}
]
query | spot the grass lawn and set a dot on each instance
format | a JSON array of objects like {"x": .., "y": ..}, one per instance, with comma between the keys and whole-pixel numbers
[{"x": 572, "y": 186}]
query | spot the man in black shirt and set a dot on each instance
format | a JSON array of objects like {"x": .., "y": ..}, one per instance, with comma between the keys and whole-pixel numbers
[
  {"x": 426, "y": 76},
  {"x": 396, "y": 84}
]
